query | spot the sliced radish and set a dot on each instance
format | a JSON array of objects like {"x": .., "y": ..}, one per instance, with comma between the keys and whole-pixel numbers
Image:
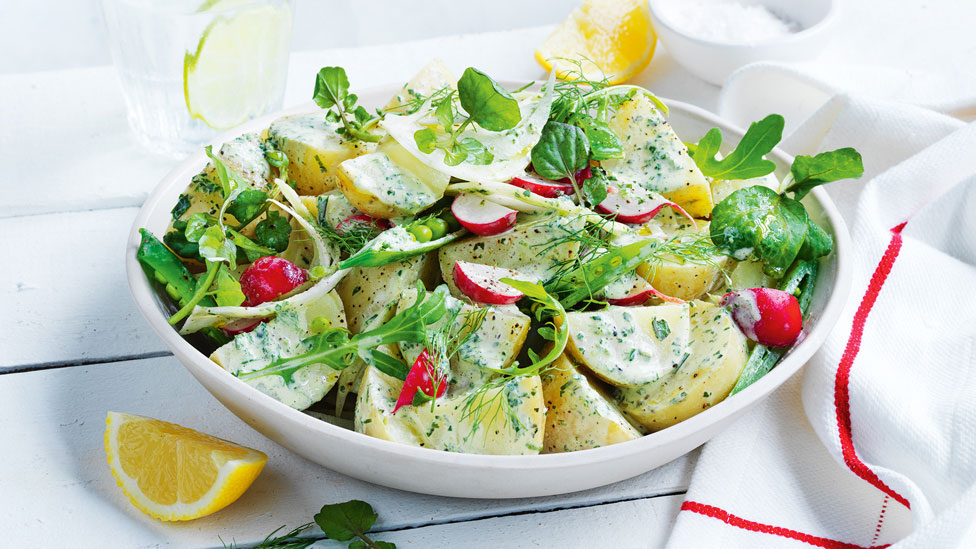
[
  {"x": 765, "y": 315},
  {"x": 542, "y": 187},
  {"x": 635, "y": 205},
  {"x": 240, "y": 326},
  {"x": 482, "y": 217},
  {"x": 362, "y": 219},
  {"x": 638, "y": 294},
  {"x": 482, "y": 283}
]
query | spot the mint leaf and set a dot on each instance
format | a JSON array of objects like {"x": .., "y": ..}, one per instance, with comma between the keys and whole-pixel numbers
[
  {"x": 487, "y": 104},
  {"x": 810, "y": 171},
  {"x": 344, "y": 521},
  {"x": 746, "y": 161},
  {"x": 758, "y": 222},
  {"x": 561, "y": 151}
]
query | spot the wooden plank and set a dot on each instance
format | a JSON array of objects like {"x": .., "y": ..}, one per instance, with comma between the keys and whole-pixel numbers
[
  {"x": 64, "y": 295},
  {"x": 639, "y": 523},
  {"x": 57, "y": 486}
]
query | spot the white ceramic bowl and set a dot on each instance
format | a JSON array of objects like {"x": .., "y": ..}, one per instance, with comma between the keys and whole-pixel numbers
[
  {"x": 469, "y": 475},
  {"x": 715, "y": 61}
]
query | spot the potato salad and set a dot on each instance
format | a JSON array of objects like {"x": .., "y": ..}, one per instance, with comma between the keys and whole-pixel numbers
[{"x": 471, "y": 268}]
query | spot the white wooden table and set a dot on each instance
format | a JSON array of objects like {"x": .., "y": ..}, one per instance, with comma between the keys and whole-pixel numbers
[{"x": 73, "y": 346}]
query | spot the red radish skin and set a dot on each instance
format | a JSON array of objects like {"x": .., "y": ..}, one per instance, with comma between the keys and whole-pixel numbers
[
  {"x": 482, "y": 283},
  {"x": 635, "y": 210},
  {"x": 767, "y": 316},
  {"x": 542, "y": 187},
  {"x": 638, "y": 296},
  {"x": 241, "y": 326},
  {"x": 363, "y": 219},
  {"x": 482, "y": 217},
  {"x": 421, "y": 378},
  {"x": 270, "y": 277}
]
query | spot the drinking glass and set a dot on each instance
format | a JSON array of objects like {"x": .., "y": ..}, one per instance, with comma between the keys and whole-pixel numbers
[{"x": 190, "y": 69}]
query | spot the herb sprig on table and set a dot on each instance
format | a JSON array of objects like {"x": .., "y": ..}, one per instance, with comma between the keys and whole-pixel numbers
[{"x": 348, "y": 521}]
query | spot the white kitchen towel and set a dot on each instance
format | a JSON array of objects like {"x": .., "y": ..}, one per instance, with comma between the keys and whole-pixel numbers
[{"x": 888, "y": 414}]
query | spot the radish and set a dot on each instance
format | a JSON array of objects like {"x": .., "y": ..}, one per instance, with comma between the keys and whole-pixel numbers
[
  {"x": 482, "y": 217},
  {"x": 542, "y": 187},
  {"x": 635, "y": 205},
  {"x": 270, "y": 277},
  {"x": 364, "y": 220},
  {"x": 641, "y": 292},
  {"x": 482, "y": 283},
  {"x": 421, "y": 377},
  {"x": 765, "y": 315},
  {"x": 241, "y": 325}
]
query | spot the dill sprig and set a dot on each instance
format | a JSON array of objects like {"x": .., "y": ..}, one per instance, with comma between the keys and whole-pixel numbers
[
  {"x": 577, "y": 94},
  {"x": 351, "y": 238},
  {"x": 289, "y": 540}
]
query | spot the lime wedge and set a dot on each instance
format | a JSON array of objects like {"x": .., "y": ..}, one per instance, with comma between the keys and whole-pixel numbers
[{"x": 238, "y": 67}]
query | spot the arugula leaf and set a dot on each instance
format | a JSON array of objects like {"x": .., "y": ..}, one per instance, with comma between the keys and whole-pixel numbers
[
  {"x": 247, "y": 205},
  {"x": 332, "y": 91},
  {"x": 746, "y": 161},
  {"x": 487, "y": 103},
  {"x": 604, "y": 143},
  {"x": 758, "y": 221},
  {"x": 562, "y": 150},
  {"x": 389, "y": 365},
  {"x": 808, "y": 172},
  {"x": 273, "y": 232},
  {"x": 228, "y": 290},
  {"x": 558, "y": 325}
]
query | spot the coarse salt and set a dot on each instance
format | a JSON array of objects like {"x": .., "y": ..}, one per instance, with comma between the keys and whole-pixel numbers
[{"x": 724, "y": 21}]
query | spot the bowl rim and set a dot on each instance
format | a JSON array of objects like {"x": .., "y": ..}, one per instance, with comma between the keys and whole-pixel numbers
[
  {"x": 206, "y": 371},
  {"x": 821, "y": 26}
]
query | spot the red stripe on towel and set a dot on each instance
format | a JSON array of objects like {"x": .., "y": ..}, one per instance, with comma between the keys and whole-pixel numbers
[
  {"x": 842, "y": 379},
  {"x": 739, "y": 522}
]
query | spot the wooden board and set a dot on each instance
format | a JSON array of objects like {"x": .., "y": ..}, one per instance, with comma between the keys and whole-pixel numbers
[{"x": 53, "y": 423}]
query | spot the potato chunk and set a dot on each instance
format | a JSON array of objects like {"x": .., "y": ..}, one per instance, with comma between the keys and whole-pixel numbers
[
  {"x": 578, "y": 413},
  {"x": 380, "y": 187},
  {"x": 314, "y": 150},
  {"x": 718, "y": 354}
]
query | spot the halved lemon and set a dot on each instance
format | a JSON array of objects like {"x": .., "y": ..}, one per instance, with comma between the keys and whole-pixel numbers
[
  {"x": 611, "y": 38},
  {"x": 238, "y": 67},
  {"x": 175, "y": 473}
]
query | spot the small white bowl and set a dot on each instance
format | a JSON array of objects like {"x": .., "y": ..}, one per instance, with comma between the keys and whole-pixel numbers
[{"x": 714, "y": 61}]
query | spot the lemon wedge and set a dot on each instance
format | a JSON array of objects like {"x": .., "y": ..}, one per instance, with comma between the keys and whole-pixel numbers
[
  {"x": 611, "y": 38},
  {"x": 238, "y": 67},
  {"x": 174, "y": 473}
]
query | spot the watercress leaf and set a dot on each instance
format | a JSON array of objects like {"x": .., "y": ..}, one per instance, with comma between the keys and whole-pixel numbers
[
  {"x": 817, "y": 243},
  {"x": 331, "y": 87},
  {"x": 362, "y": 115},
  {"x": 487, "y": 103},
  {"x": 445, "y": 113},
  {"x": 604, "y": 143},
  {"x": 756, "y": 221},
  {"x": 273, "y": 232},
  {"x": 810, "y": 171},
  {"x": 389, "y": 365},
  {"x": 247, "y": 205},
  {"x": 475, "y": 151},
  {"x": 333, "y": 117},
  {"x": 182, "y": 205},
  {"x": 229, "y": 181},
  {"x": 252, "y": 250},
  {"x": 214, "y": 246},
  {"x": 595, "y": 187},
  {"x": 197, "y": 224},
  {"x": 176, "y": 240},
  {"x": 425, "y": 139},
  {"x": 454, "y": 154},
  {"x": 227, "y": 291},
  {"x": 344, "y": 521},
  {"x": 561, "y": 151},
  {"x": 349, "y": 101},
  {"x": 746, "y": 161}
]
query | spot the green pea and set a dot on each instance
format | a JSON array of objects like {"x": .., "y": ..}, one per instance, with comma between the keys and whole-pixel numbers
[
  {"x": 452, "y": 222},
  {"x": 421, "y": 232},
  {"x": 437, "y": 226},
  {"x": 320, "y": 324}
]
